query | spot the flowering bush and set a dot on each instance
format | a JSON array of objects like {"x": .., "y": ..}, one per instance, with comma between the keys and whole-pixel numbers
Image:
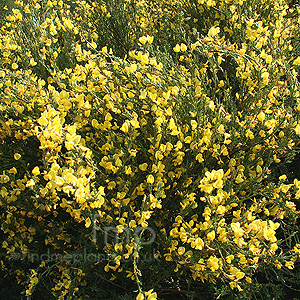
[{"x": 159, "y": 125}]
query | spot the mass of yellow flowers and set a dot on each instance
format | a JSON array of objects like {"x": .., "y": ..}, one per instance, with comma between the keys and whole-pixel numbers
[{"x": 137, "y": 128}]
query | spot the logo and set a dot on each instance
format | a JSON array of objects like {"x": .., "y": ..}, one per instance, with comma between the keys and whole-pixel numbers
[{"x": 141, "y": 235}]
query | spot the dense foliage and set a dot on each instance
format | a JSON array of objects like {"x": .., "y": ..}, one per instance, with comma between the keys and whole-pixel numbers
[{"x": 146, "y": 148}]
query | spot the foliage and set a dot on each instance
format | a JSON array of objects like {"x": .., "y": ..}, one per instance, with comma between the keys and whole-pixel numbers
[{"x": 164, "y": 123}]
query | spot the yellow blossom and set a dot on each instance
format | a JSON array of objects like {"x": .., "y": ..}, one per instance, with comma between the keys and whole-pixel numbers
[
  {"x": 36, "y": 171},
  {"x": 145, "y": 39},
  {"x": 125, "y": 126},
  {"x": 261, "y": 116},
  {"x": 17, "y": 156},
  {"x": 183, "y": 47},
  {"x": 88, "y": 222},
  {"x": 176, "y": 48},
  {"x": 296, "y": 62},
  {"x": 213, "y": 263},
  {"x": 297, "y": 129},
  {"x": 150, "y": 179},
  {"x": 213, "y": 31},
  {"x": 181, "y": 250},
  {"x": 211, "y": 235},
  {"x": 221, "y": 129},
  {"x": 140, "y": 296}
]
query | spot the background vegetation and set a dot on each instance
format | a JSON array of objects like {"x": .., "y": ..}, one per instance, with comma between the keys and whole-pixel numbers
[{"x": 175, "y": 117}]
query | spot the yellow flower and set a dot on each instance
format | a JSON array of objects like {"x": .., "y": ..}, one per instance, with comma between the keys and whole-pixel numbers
[
  {"x": 237, "y": 230},
  {"x": 282, "y": 177},
  {"x": 198, "y": 244},
  {"x": 125, "y": 126},
  {"x": 194, "y": 124},
  {"x": 143, "y": 166},
  {"x": 144, "y": 59},
  {"x": 239, "y": 179},
  {"x": 145, "y": 39},
  {"x": 183, "y": 47},
  {"x": 229, "y": 258},
  {"x": 248, "y": 279},
  {"x": 42, "y": 121},
  {"x": 239, "y": 275},
  {"x": 221, "y": 129},
  {"x": 168, "y": 257},
  {"x": 135, "y": 123},
  {"x": 211, "y": 105},
  {"x": 176, "y": 48},
  {"x": 172, "y": 126},
  {"x": 150, "y": 39},
  {"x": 150, "y": 179},
  {"x": 36, "y": 171},
  {"x": 207, "y": 188},
  {"x": 296, "y": 62},
  {"x": 30, "y": 183},
  {"x": 221, "y": 210},
  {"x": 297, "y": 129},
  {"x": 268, "y": 59},
  {"x": 285, "y": 187},
  {"x": 218, "y": 184},
  {"x": 289, "y": 265},
  {"x": 175, "y": 90},
  {"x": 140, "y": 296},
  {"x": 211, "y": 235},
  {"x": 14, "y": 66},
  {"x": 13, "y": 171},
  {"x": 17, "y": 156},
  {"x": 221, "y": 83},
  {"x": 152, "y": 296},
  {"x": 265, "y": 77},
  {"x": 213, "y": 263},
  {"x": 32, "y": 62},
  {"x": 291, "y": 205},
  {"x": 273, "y": 248},
  {"x": 200, "y": 158},
  {"x": 259, "y": 169},
  {"x": 181, "y": 250},
  {"x": 261, "y": 116},
  {"x": 68, "y": 23},
  {"x": 88, "y": 222},
  {"x": 213, "y": 31}
]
